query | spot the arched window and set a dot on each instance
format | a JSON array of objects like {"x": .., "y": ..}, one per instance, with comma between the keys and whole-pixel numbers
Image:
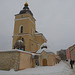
[{"x": 21, "y": 29}]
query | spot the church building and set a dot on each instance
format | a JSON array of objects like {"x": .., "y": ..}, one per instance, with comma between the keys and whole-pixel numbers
[
  {"x": 29, "y": 46},
  {"x": 26, "y": 37}
]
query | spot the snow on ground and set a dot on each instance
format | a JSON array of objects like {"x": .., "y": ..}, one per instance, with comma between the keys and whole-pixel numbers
[{"x": 58, "y": 69}]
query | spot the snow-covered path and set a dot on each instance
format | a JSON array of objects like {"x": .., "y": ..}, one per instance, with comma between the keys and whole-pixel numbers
[
  {"x": 59, "y": 69},
  {"x": 73, "y": 72}
]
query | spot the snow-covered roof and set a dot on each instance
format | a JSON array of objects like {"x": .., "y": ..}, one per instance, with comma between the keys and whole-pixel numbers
[
  {"x": 8, "y": 50},
  {"x": 44, "y": 44},
  {"x": 47, "y": 50},
  {"x": 41, "y": 34},
  {"x": 14, "y": 50},
  {"x": 38, "y": 34},
  {"x": 44, "y": 49}
]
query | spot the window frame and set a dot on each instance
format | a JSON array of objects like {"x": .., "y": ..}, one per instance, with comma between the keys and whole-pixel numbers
[{"x": 21, "y": 31}]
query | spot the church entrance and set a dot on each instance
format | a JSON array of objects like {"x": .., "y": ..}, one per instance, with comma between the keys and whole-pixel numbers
[{"x": 44, "y": 62}]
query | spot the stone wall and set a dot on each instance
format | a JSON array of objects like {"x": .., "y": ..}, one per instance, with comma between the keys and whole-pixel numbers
[
  {"x": 17, "y": 60},
  {"x": 20, "y": 60},
  {"x": 25, "y": 61},
  {"x": 9, "y": 60}
]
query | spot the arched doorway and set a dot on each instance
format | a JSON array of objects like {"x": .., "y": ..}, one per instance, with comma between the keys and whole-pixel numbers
[{"x": 44, "y": 62}]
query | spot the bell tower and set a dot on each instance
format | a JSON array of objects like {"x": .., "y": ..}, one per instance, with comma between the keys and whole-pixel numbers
[
  {"x": 24, "y": 21},
  {"x": 25, "y": 36},
  {"x": 24, "y": 28}
]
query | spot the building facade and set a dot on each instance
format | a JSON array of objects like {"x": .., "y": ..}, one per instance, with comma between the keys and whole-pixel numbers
[
  {"x": 62, "y": 54},
  {"x": 46, "y": 56},
  {"x": 25, "y": 36},
  {"x": 71, "y": 53},
  {"x": 28, "y": 50},
  {"x": 68, "y": 56}
]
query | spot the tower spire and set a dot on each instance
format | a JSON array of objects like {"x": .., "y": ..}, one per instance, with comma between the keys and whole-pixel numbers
[{"x": 26, "y": 4}]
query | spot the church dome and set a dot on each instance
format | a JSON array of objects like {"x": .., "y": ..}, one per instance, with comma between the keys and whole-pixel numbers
[
  {"x": 26, "y": 10},
  {"x": 44, "y": 47}
]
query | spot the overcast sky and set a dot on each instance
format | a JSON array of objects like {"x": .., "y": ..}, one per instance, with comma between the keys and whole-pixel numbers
[{"x": 54, "y": 18}]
